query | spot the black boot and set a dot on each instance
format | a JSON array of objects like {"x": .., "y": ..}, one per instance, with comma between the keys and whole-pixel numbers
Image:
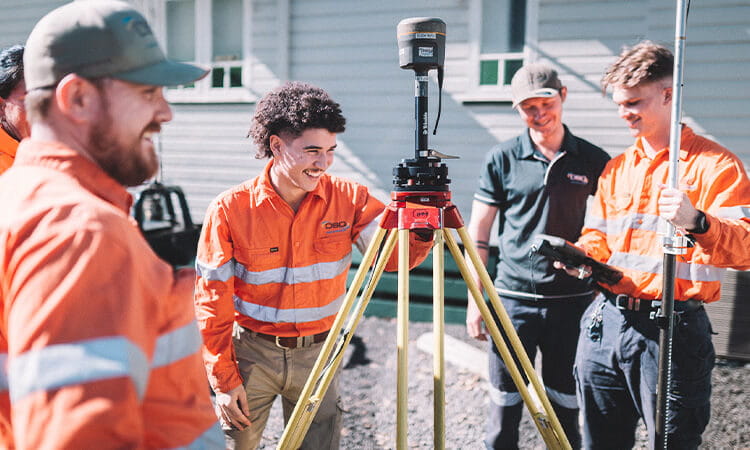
[
  {"x": 569, "y": 420},
  {"x": 502, "y": 427}
]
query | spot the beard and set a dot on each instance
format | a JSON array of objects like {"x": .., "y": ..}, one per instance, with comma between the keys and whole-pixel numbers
[
  {"x": 10, "y": 130},
  {"x": 124, "y": 161}
]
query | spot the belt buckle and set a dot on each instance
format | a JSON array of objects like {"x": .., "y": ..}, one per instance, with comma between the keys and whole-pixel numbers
[
  {"x": 278, "y": 344},
  {"x": 302, "y": 341},
  {"x": 623, "y": 302}
]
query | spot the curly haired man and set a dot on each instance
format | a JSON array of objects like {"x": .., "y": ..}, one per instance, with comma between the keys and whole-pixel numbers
[{"x": 272, "y": 265}]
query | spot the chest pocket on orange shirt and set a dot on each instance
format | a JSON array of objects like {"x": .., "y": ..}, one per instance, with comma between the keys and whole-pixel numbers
[
  {"x": 258, "y": 258},
  {"x": 332, "y": 247},
  {"x": 622, "y": 202}
]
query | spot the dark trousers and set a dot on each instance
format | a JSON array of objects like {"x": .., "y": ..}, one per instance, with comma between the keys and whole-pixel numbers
[
  {"x": 551, "y": 326},
  {"x": 617, "y": 372}
]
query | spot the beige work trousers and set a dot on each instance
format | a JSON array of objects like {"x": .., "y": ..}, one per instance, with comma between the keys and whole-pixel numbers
[{"x": 268, "y": 371}]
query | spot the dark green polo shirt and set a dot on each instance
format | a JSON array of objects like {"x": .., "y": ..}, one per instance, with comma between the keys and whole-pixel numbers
[{"x": 534, "y": 195}]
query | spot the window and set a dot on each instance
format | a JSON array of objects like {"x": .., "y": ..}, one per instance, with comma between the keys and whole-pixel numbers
[
  {"x": 213, "y": 33},
  {"x": 180, "y": 27},
  {"x": 226, "y": 39},
  {"x": 503, "y": 32},
  {"x": 502, "y": 41}
]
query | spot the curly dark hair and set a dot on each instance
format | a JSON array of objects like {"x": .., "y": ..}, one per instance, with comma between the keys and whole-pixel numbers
[
  {"x": 291, "y": 109},
  {"x": 11, "y": 69},
  {"x": 641, "y": 63}
]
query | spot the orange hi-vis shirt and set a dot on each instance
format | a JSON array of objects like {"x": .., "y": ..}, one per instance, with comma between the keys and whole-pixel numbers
[
  {"x": 102, "y": 346},
  {"x": 276, "y": 272},
  {"x": 8, "y": 147},
  {"x": 623, "y": 227}
]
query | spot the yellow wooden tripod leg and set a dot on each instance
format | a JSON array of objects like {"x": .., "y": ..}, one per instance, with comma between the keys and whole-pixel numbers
[
  {"x": 547, "y": 423},
  {"x": 402, "y": 342},
  {"x": 438, "y": 324},
  {"x": 325, "y": 368}
]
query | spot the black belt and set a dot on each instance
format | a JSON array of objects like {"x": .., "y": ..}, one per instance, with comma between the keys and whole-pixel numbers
[
  {"x": 628, "y": 303},
  {"x": 290, "y": 342}
]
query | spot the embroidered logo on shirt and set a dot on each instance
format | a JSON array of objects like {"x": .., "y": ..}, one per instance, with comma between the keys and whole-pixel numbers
[
  {"x": 274, "y": 249},
  {"x": 335, "y": 227},
  {"x": 578, "y": 179}
]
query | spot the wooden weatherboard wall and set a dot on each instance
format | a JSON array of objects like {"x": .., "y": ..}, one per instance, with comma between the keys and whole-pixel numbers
[{"x": 349, "y": 48}]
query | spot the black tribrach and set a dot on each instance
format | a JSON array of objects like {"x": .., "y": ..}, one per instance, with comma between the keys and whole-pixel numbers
[{"x": 421, "y": 174}]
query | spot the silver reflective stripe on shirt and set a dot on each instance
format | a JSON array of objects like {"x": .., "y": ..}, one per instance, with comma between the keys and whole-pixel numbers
[
  {"x": 222, "y": 273},
  {"x": 595, "y": 223},
  {"x": 285, "y": 275},
  {"x": 212, "y": 439},
  {"x": 619, "y": 225},
  {"x": 296, "y": 315},
  {"x": 176, "y": 344},
  {"x": 61, "y": 365},
  {"x": 3, "y": 372},
  {"x": 734, "y": 212},
  {"x": 650, "y": 264},
  {"x": 294, "y": 275},
  {"x": 367, "y": 233}
]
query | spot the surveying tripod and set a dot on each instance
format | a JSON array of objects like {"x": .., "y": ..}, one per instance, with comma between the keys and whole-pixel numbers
[
  {"x": 421, "y": 201},
  {"x": 431, "y": 210}
]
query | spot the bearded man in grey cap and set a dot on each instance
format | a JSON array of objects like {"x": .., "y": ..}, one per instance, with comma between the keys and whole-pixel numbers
[
  {"x": 100, "y": 336},
  {"x": 537, "y": 182}
]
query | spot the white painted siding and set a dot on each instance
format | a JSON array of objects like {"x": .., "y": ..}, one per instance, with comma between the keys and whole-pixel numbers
[
  {"x": 349, "y": 48},
  {"x": 20, "y": 16},
  {"x": 205, "y": 151},
  {"x": 583, "y": 37}
]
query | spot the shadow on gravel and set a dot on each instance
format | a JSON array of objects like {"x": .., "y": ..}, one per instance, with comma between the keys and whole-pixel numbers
[{"x": 358, "y": 355}]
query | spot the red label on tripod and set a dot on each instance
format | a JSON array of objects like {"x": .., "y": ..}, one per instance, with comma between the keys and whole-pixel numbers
[{"x": 419, "y": 218}]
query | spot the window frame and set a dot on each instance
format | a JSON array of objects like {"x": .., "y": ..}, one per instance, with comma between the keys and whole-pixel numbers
[
  {"x": 202, "y": 90},
  {"x": 477, "y": 92}
]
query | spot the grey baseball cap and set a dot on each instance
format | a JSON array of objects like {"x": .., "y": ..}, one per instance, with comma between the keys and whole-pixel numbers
[
  {"x": 97, "y": 38},
  {"x": 534, "y": 80}
]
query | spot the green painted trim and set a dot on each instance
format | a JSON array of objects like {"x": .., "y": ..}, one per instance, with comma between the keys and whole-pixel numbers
[{"x": 418, "y": 312}]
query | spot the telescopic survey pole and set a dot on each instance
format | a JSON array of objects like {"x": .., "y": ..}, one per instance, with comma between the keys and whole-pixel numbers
[{"x": 673, "y": 244}]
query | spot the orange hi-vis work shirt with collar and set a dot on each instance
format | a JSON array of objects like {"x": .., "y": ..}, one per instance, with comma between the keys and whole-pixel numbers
[
  {"x": 278, "y": 272},
  {"x": 102, "y": 346},
  {"x": 8, "y": 147},
  {"x": 623, "y": 227}
]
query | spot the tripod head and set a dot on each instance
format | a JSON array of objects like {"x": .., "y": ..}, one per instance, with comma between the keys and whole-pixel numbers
[{"x": 421, "y": 47}]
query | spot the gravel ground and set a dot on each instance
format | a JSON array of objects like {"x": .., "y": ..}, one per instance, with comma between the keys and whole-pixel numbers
[{"x": 368, "y": 386}]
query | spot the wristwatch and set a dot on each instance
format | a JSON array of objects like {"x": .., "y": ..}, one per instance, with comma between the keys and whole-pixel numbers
[{"x": 701, "y": 224}]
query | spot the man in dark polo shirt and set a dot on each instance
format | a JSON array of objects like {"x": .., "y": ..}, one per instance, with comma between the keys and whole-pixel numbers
[{"x": 537, "y": 182}]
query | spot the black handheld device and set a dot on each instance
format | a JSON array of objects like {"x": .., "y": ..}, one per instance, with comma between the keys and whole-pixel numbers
[
  {"x": 164, "y": 219},
  {"x": 559, "y": 249}
]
